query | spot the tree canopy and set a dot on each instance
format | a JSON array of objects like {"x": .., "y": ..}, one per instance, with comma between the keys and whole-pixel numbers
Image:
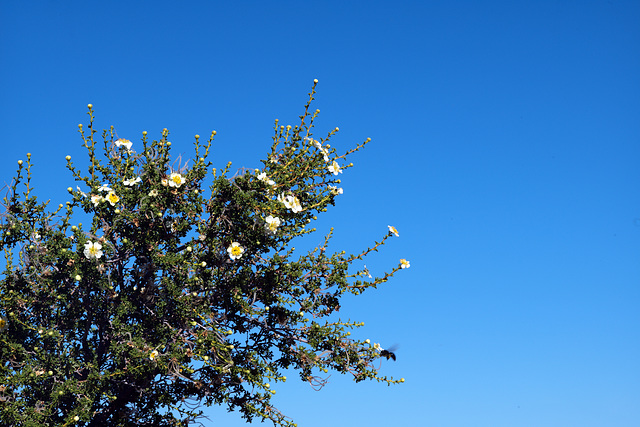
[{"x": 183, "y": 289}]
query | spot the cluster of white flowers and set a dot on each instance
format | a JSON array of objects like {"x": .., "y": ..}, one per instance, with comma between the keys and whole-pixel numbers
[
  {"x": 290, "y": 202},
  {"x": 393, "y": 230},
  {"x": 111, "y": 196},
  {"x": 404, "y": 263}
]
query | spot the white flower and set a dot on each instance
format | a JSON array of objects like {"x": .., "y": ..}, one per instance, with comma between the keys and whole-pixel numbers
[
  {"x": 112, "y": 198},
  {"x": 153, "y": 193},
  {"x": 377, "y": 346},
  {"x": 272, "y": 224},
  {"x": 393, "y": 230},
  {"x": 131, "y": 182},
  {"x": 263, "y": 177},
  {"x": 235, "y": 251},
  {"x": 335, "y": 190},
  {"x": 153, "y": 354},
  {"x": 290, "y": 202},
  {"x": 96, "y": 199},
  {"x": 104, "y": 187},
  {"x": 80, "y": 191},
  {"x": 176, "y": 180},
  {"x": 404, "y": 263},
  {"x": 123, "y": 143},
  {"x": 318, "y": 145},
  {"x": 92, "y": 250},
  {"x": 334, "y": 168}
]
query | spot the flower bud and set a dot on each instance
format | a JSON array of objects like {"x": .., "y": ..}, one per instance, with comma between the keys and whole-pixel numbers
[
  {"x": 144, "y": 133},
  {"x": 89, "y": 106},
  {"x": 20, "y": 162},
  {"x": 68, "y": 158}
]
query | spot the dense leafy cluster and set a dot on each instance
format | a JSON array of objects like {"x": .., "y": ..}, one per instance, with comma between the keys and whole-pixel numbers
[{"x": 176, "y": 294}]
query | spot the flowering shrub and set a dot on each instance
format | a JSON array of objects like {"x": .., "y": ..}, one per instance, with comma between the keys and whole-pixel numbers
[{"x": 176, "y": 294}]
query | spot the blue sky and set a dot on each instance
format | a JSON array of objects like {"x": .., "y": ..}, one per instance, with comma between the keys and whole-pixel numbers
[{"x": 505, "y": 149}]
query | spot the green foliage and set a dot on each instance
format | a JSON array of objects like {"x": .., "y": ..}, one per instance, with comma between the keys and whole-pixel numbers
[{"x": 170, "y": 299}]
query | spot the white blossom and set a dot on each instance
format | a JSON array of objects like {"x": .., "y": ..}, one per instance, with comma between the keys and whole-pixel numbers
[
  {"x": 131, "y": 182},
  {"x": 335, "y": 190},
  {"x": 272, "y": 224},
  {"x": 92, "y": 250},
  {"x": 123, "y": 143},
  {"x": 96, "y": 199},
  {"x": 176, "y": 180},
  {"x": 263, "y": 177},
  {"x": 235, "y": 251},
  {"x": 334, "y": 168},
  {"x": 290, "y": 202}
]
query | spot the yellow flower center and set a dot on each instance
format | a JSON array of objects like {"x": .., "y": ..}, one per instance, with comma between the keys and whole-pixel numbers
[{"x": 236, "y": 250}]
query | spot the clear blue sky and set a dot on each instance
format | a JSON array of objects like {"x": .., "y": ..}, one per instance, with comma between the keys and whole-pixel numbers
[{"x": 505, "y": 149}]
